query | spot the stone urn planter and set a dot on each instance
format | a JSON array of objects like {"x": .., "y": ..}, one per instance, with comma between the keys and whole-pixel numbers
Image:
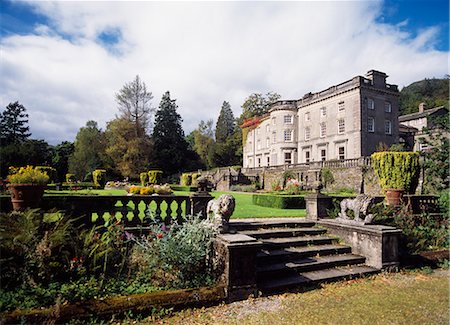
[
  {"x": 26, "y": 195},
  {"x": 394, "y": 196}
]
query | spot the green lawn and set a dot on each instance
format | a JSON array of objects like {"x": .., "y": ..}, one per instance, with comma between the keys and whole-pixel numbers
[
  {"x": 244, "y": 206},
  {"x": 388, "y": 298}
]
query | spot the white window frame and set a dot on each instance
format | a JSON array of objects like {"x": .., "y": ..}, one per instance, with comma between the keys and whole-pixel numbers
[
  {"x": 370, "y": 103},
  {"x": 341, "y": 106},
  {"x": 387, "y": 107},
  {"x": 307, "y": 133},
  {"x": 287, "y": 135},
  {"x": 267, "y": 142},
  {"x": 258, "y": 144},
  {"x": 388, "y": 127},
  {"x": 288, "y": 119},
  {"x": 370, "y": 124},
  {"x": 274, "y": 137},
  {"x": 341, "y": 126},
  {"x": 267, "y": 128},
  {"x": 323, "y": 129},
  {"x": 274, "y": 120},
  {"x": 323, "y": 111}
]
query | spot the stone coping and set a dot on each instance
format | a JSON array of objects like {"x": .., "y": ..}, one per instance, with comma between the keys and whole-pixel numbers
[{"x": 368, "y": 229}]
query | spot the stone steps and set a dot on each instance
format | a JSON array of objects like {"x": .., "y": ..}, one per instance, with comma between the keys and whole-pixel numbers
[
  {"x": 283, "y": 232},
  {"x": 290, "y": 253},
  {"x": 296, "y": 253},
  {"x": 304, "y": 279},
  {"x": 307, "y": 264}
]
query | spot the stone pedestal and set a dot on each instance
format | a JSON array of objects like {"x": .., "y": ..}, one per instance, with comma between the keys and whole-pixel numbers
[
  {"x": 199, "y": 202},
  {"x": 317, "y": 205},
  {"x": 236, "y": 255},
  {"x": 377, "y": 243}
]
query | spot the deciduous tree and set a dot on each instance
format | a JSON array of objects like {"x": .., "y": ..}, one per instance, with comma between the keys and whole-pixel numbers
[
  {"x": 134, "y": 102},
  {"x": 257, "y": 104}
]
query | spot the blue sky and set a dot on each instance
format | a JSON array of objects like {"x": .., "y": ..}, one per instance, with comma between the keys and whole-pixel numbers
[{"x": 65, "y": 60}]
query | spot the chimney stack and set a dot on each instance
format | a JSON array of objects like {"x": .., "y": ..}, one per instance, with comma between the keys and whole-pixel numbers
[{"x": 422, "y": 107}]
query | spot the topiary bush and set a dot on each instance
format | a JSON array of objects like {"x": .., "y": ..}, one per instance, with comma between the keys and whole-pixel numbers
[
  {"x": 144, "y": 178},
  {"x": 279, "y": 201},
  {"x": 70, "y": 178},
  {"x": 154, "y": 176},
  {"x": 397, "y": 170},
  {"x": 194, "y": 177},
  {"x": 186, "y": 179},
  {"x": 99, "y": 176}
]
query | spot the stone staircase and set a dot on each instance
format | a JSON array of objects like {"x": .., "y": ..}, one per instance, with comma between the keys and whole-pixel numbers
[{"x": 296, "y": 253}]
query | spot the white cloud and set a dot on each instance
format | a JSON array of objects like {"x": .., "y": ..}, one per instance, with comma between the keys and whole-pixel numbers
[{"x": 203, "y": 52}]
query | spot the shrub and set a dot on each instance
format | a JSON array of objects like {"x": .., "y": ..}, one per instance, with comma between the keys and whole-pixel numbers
[
  {"x": 288, "y": 174},
  {"x": 154, "y": 176},
  {"x": 148, "y": 190},
  {"x": 27, "y": 175},
  {"x": 51, "y": 172},
  {"x": 70, "y": 178},
  {"x": 326, "y": 176},
  {"x": 183, "y": 188},
  {"x": 144, "y": 178},
  {"x": 444, "y": 202},
  {"x": 292, "y": 186},
  {"x": 397, "y": 170},
  {"x": 186, "y": 179},
  {"x": 275, "y": 185},
  {"x": 99, "y": 176},
  {"x": 88, "y": 177},
  {"x": 194, "y": 177},
  {"x": 134, "y": 189},
  {"x": 180, "y": 256},
  {"x": 279, "y": 201}
]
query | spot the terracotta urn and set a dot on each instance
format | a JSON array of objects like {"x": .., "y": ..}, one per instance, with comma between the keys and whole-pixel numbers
[
  {"x": 26, "y": 195},
  {"x": 394, "y": 196}
]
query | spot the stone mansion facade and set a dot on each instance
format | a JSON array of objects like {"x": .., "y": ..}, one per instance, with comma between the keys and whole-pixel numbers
[{"x": 345, "y": 121}]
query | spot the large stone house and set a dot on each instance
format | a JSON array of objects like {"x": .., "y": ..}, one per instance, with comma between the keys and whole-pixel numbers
[{"x": 345, "y": 121}]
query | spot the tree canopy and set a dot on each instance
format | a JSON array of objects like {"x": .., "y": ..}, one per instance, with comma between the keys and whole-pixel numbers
[
  {"x": 170, "y": 145},
  {"x": 225, "y": 123},
  {"x": 135, "y": 105},
  {"x": 14, "y": 124},
  {"x": 257, "y": 104},
  {"x": 433, "y": 92}
]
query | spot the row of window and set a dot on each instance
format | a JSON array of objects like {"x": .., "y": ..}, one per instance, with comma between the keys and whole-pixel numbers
[
  {"x": 387, "y": 105},
  {"x": 323, "y": 154},
  {"x": 288, "y": 134}
]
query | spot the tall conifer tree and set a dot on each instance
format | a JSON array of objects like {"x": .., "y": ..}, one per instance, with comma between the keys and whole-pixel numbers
[
  {"x": 14, "y": 124},
  {"x": 225, "y": 123}
]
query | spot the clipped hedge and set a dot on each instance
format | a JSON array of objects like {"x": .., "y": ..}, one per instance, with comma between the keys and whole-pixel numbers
[
  {"x": 279, "y": 201},
  {"x": 154, "y": 176},
  {"x": 186, "y": 179},
  {"x": 144, "y": 178},
  {"x": 99, "y": 176},
  {"x": 183, "y": 188}
]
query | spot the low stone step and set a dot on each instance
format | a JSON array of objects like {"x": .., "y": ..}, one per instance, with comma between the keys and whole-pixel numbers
[
  {"x": 298, "y": 241},
  {"x": 308, "y": 264},
  {"x": 290, "y": 253},
  {"x": 314, "y": 277},
  {"x": 283, "y": 232},
  {"x": 267, "y": 223}
]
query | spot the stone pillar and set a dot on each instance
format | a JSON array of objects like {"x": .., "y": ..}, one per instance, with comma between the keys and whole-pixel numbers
[
  {"x": 199, "y": 202},
  {"x": 317, "y": 205},
  {"x": 236, "y": 254}
]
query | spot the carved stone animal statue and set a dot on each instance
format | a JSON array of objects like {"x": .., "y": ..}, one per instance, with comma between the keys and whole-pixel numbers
[
  {"x": 220, "y": 210},
  {"x": 359, "y": 205}
]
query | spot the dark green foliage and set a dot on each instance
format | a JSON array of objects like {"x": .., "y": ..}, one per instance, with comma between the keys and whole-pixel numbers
[
  {"x": 326, "y": 176},
  {"x": 433, "y": 92},
  {"x": 89, "y": 153},
  {"x": 60, "y": 158},
  {"x": 257, "y": 105},
  {"x": 225, "y": 123},
  {"x": 14, "y": 124},
  {"x": 436, "y": 157},
  {"x": 279, "y": 201},
  {"x": 171, "y": 152},
  {"x": 28, "y": 152},
  {"x": 183, "y": 188},
  {"x": 201, "y": 140},
  {"x": 228, "y": 153}
]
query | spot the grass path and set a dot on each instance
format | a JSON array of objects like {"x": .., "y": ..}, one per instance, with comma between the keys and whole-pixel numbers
[
  {"x": 244, "y": 206},
  {"x": 396, "y": 298}
]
